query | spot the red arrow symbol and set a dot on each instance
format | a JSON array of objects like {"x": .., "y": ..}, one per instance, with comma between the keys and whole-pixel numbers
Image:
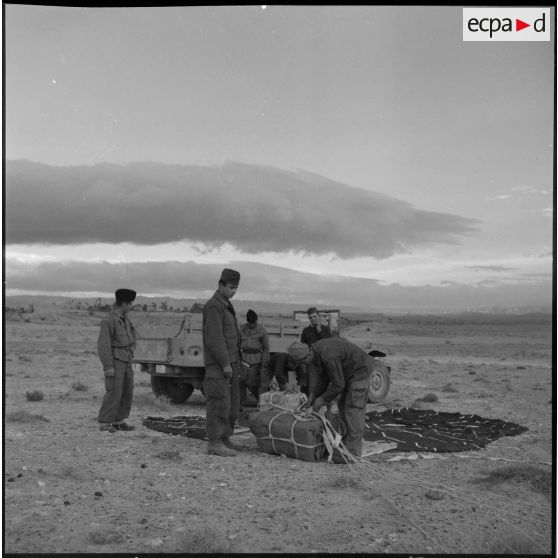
[{"x": 519, "y": 25}]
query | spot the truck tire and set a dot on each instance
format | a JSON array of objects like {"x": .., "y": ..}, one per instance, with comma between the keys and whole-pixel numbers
[
  {"x": 173, "y": 388},
  {"x": 379, "y": 383}
]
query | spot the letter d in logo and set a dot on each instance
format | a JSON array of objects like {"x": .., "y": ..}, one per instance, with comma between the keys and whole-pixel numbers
[{"x": 537, "y": 26}]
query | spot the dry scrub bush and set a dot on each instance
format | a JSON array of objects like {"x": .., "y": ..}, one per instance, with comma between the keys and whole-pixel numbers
[
  {"x": 202, "y": 541},
  {"x": 24, "y": 416},
  {"x": 35, "y": 395},
  {"x": 345, "y": 481},
  {"x": 78, "y": 386},
  {"x": 448, "y": 388},
  {"x": 540, "y": 479},
  {"x": 69, "y": 471},
  {"x": 169, "y": 453},
  {"x": 100, "y": 536},
  {"x": 507, "y": 542},
  {"x": 429, "y": 398},
  {"x": 161, "y": 403}
]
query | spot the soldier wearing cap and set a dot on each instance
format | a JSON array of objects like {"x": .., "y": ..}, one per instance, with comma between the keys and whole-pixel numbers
[
  {"x": 222, "y": 357},
  {"x": 338, "y": 368},
  {"x": 316, "y": 330},
  {"x": 254, "y": 343},
  {"x": 115, "y": 347}
]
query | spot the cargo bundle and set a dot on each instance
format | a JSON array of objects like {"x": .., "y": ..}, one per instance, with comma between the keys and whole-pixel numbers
[
  {"x": 282, "y": 432},
  {"x": 289, "y": 401}
]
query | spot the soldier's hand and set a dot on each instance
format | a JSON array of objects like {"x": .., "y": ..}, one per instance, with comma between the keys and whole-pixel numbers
[
  {"x": 227, "y": 371},
  {"x": 318, "y": 404},
  {"x": 109, "y": 373}
]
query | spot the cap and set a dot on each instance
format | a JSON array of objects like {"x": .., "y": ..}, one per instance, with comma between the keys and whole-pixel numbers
[
  {"x": 230, "y": 276},
  {"x": 251, "y": 316},
  {"x": 125, "y": 295},
  {"x": 298, "y": 351}
]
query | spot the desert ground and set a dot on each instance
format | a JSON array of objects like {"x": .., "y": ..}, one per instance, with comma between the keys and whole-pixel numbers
[{"x": 70, "y": 488}]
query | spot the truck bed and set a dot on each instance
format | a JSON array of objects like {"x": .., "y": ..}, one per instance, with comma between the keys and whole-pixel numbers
[{"x": 185, "y": 348}]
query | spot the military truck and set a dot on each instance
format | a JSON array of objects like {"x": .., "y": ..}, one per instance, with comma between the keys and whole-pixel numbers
[{"x": 176, "y": 367}]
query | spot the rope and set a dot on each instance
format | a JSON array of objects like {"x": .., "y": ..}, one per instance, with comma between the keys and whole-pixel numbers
[{"x": 367, "y": 471}]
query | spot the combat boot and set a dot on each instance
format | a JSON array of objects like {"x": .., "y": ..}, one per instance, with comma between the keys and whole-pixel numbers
[
  {"x": 231, "y": 445},
  {"x": 217, "y": 447}
]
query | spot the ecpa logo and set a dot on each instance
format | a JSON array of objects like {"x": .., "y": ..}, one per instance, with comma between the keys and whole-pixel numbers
[{"x": 506, "y": 24}]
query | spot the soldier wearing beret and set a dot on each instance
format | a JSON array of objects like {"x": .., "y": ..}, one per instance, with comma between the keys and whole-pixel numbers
[
  {"x": 254, "y": 342},
  {"x": 338, "y": 368},
  {"x": 222, "y": 357},
  {"x": 115, "y": 347}
]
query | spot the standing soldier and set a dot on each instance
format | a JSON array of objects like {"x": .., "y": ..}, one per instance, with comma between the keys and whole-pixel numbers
[
  {"x": 254, "y": 343},
  {"x": 315, "y": 331},
  {"x": 115, "y": 347},
  {"x": 222, "y": 356},
  {"x": 338, "y": 367}
]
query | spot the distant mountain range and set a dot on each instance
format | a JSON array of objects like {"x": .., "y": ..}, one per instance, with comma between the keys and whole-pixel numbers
[{"x": 45, "y": 302}]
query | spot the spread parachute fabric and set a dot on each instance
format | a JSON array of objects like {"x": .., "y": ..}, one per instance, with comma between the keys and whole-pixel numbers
[{"x": 432, "y": 431}]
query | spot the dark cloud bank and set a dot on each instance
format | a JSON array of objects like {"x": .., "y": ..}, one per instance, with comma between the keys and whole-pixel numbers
[
  {"x": 267, "y": 283},
  {"x": 254, "y": 208}
]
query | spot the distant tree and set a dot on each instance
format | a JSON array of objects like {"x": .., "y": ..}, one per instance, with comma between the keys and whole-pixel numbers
[
  {"x": 144, "y": 307},
  {"x": 98, "y": 303},
  {"x": 197, "y": 308},
  {"x": 164, "y": 306},
  {"x": 153, "y": 307}
]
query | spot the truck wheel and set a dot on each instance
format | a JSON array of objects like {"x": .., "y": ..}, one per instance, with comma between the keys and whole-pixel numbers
[
  {"x": 379, "y": 383},
  {"x": 173, "y": 388}
]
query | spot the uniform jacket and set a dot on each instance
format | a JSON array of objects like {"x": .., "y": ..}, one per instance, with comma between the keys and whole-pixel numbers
[
  {"x": 221, "y": 338},
  {"x": 310, "y": 335},
  {"x": 254, "y": 343},
  {"x": 117, "y": 340},
  {"x": 337, "y": 362}
]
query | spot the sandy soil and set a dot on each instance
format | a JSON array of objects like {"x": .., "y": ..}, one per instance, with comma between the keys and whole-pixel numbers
[{"x": 71, "y": 488}]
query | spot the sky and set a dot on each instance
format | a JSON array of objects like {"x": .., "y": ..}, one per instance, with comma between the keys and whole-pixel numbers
[{"x": 359, "y": 155}]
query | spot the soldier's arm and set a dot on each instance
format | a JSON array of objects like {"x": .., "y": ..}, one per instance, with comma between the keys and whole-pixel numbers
[
  {"x": 265, "y": 348},
  {"x": 213, "y": 335},
  {"x": 336, "y": 379},
  {"x": 325, "y": 333},
  {"x": 104, "y": 346}
]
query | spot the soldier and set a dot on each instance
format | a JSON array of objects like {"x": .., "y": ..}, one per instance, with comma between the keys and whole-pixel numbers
[
  {"x": 338, "y": 367},
  {"x": 279, "y": 365},
  {"x": 254, "y": 343},
  {"x": 222, "y": 356},
  {"x": 115, "y": 347},
  {"x": 315, "y": 331}
]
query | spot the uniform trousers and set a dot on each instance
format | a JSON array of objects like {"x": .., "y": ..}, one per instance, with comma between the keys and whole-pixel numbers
[{"x": 117, "y": 401}]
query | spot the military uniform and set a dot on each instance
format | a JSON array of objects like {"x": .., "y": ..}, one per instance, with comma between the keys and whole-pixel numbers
[
  {"x": 346, "y": 370},
  {"x": 115, "y": 347},
  {"x": 221, "y": 347},
  {"x": 254, "y": 343},
  {"x": 310, "y": 334}
]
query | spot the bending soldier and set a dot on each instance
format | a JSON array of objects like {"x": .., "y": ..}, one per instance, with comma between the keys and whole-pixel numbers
[{"x": 338, "y": 368}]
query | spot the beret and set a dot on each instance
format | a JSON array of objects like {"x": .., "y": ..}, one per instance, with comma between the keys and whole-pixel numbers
[
  {"x": 251, "y": 316},
  {"x": 125, "y": 295},
  {"x": 230, "y": 276},
  {"x": 298, "y": 351}
]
